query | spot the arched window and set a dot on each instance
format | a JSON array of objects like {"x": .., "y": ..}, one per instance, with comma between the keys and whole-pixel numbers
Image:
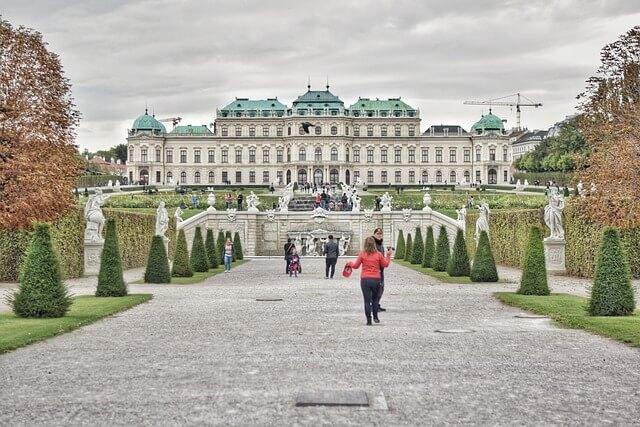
[
  {"x": 318, "y": 130},
  {"x": 212, "y": 177},
  {"x": 438, "y": 176},
  {"x": 334, "y": 130},
  {"x": 333, "y": 176},
  {"x": 302, "y": 176},
  {"x": 318, "y": 154},
  {"x": 158, "y": 153},
  {"x": 334, "y": 154},
  {"x": 452, "y": 177},
  {"x": 302, "y": 154},
  {"x": 169, "y": 177},
  {"x": 196, "y": 177},
  {"x": 467, "y": 176},
  {"x": 130, "y": 154},
  {"x": 425, "y": 176},
  {"x": 183, "y": 177}
]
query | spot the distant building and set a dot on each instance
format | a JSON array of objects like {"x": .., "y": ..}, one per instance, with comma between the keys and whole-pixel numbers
[{"x": 526, "y": 142}]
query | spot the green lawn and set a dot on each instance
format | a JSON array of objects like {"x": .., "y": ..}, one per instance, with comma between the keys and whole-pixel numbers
[
  {"x": 439, "y": 275},
  {"x": 197, "y": 277},
  {"x": 17, "y": 332},
  {"x": 571, "y": 311}
]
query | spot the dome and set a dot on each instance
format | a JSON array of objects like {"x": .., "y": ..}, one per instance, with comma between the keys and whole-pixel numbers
[
  {"x": 488, "y": 122},
  {"x": 147, "y": 122}
]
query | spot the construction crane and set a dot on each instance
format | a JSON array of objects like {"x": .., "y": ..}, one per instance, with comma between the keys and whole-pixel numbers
[
  {"x": 505, "y": 101},
  {"x": 173, "y": 120}
]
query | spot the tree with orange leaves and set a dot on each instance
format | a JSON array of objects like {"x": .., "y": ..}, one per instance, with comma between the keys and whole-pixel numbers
[{"x": 38, "y": 163}]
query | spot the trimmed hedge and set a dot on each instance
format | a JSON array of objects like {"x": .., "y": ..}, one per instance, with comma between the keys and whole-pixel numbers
[
  {"x": 198, "y": 258},
  {"x": 220, "y": 246},
  {"x": 408, "y": 248},
  {"x": 534, "y": 272},
  {"x": 110, "y": 278},
  {"x": 441, "y": 256},
  {"x": 400, "y": 246},
  {"x": 484, "y": 266},
  {"x": 458, "y": 264},
  {"x": 181, "y": 265},
  {"x": 417, "y": 253},
  {"x": 237, "y": 246},
  {"x": 429, "y": 248},
  {"x": 157, "y": 270},
  {"x": 560, "y": 178},
  {"x": 210, "y": 247}
]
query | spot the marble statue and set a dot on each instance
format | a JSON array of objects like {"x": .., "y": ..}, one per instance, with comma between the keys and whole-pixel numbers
[
  {"x": 385, "y": 200},
  {"x": 178, "y": 215},
  {"x": 94, "y": 217},
  {"x": 526, "y": 182},
  {"x": 581, "y": 190},
  {"x": 252, "y": 202},
  {"x": 118, "y": 185},
  {"x": 462, "y": 215},
  {"x": 285, "y": 198},
  {"x": 482, "y": 223},
  {"x": 110, "y": 184},
  {"x": 310, "y": 245},
  {"x": 211, "y": 201},
  {"x": 519, "y": 185},
  {"x": 298, "y": 244},
  {"x": 283, "y": 204},
  {"x": 162, "y": 220},
  {"x": 355, "y": 203},
  {"x": 426, "y": 200},
  {"x": 553, "y": 214},
  {"x": 343, "y": 246}
]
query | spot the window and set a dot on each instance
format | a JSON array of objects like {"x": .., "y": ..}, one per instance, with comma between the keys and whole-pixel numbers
[
  {"x": 183, "y": 177},
  {"x": 318, "y": 154},
  {"x": 289, "y": 130},
  {"x": 383, "y": 130},
  {"x": 467, "y": 177},
  {"x": 279, "y": 156},
  {"x": 425, "y": 176},
  {"x": 478, "y": 155},
  {"x": 445, "y": 131},
  {"x": 505, "y": 154},
  {"x": 505, "y": 176},
  {"x": 196, "y": 156},
  {"x": 225, "y": 155},
  {"x": 356, "y": 176},
  {"x": 279, "y": 131},
  {"x": 369, "y": 155},
  {"x": 438, "y": 176},
  {"x": 369, "y": 130},
  {"x": 398, "y": 176},
  {"x": 412, "y": 155},
  {"x": 356, "y": 130},
  {"x": 252, "y": 155},
  {"x": 279, "y": 176},
  {"x": 265, "y": 130},
  {"x": 346, "y": 153},
  {"x": 478, "y": 176},
  {"x": 452, "y": 155},
  {"x": 225, "y": 177},
  {"x": 158, "y": 176},
  {"x": 288, "y": 154},
  {"x": 356, "y": 155},
  {"x": 252, "y": 177},
  {"x": 412, "y": 130},
  {"x": 183, "y": 156},
  {"x": 492, "y": 154},
  {"x": 452, "y": 177},
  {"x": 212, "y": 177},
  {"x": 397, "y": 130},
  {"x": 397, "y": 155},
  {"x": 169, "y": 177},
  {"x": 438, "y": 155},
  {"x": 225, "y": 131},
  {"x": 238, "y": 177},
  {"x": 238, "y": 131},
  {"x": 130, "y": 154},
  {"x": 334, "y": 130},
  {"x": 383, "y": 177},
  {"x": 333, "y": 176},
  {"x": 252, "y": 131},
  {"x": 158, "y": 155},
  {"x": 143, "y": 155},
  {"x": 424, "y": 155},
  {"x": 265, "y": 176},
  {"x": 318, "y": 130},
  {"x": 301, "y": 130},
  {"x": 265, "y": 155},
  {"x": 169, "y": 155},
  {"x": 370, "y": 177},
  {"x": 467, "y": 155},
  {"x": 412, "y": 176},
  {"x": 196, "y": 177},
  {"x": 334, "y": 154},
  {"x": 346, "y": 130},
  {"x": 302, "y": 154},
  {"x": 383, "y": 155}
]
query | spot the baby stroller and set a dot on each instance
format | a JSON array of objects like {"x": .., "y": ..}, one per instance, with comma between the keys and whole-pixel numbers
[{"x": 294, "y": 265}]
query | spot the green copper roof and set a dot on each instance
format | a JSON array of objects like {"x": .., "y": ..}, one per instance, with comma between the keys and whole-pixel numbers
[
  {"x": 191, "y": 130},
  {"x": 244, "y": 104},
  {"x": 390, "y": 104},
  {"x": 318, "y": 99},
  {"x": 488, "y": 122},
  {"x": 147, "y": 122}
]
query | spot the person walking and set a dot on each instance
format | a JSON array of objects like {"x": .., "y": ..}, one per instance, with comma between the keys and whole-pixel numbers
[
  {"x": 240, "y": 199},
  {"x": 294, "y": 264},
  {"x": 331, "y": 251},
  {"x": 372, "y": 261},
  {"x": 228, "y": 255},
  {"x": 287, "y": 254},
  {"x": 377, "y": 237}
]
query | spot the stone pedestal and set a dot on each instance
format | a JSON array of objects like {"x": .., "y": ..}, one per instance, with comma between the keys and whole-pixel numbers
[
  {"x": 92, "y": 253},
  {"x": 554, "y": 255}
]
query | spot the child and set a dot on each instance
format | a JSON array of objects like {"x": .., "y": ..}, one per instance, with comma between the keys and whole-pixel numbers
[{"x": 294, "y": 263}]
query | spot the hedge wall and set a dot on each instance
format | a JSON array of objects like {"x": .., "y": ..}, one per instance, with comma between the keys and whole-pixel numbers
[
  {"x": 560, "y": 178},
  {"x": 135, "y": 231}
]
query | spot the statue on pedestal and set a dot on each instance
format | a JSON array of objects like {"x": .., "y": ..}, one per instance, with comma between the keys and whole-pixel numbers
[
  {"x": 178, "y": 215},
  {"x": 553, "y": 214},
  {"x": 482, "y": 223},
  {"x": 581, "y": 190},
  {"x": 356, "y": 203},
  {"x": 385, "y": 201},
  {"x": 426, "y": 200},
  {"x": 162, "y": 221},
  {"x": 211, "y": 201},
  {"x": 252, "y": 202},
  {"x": 94, "y": 217}
]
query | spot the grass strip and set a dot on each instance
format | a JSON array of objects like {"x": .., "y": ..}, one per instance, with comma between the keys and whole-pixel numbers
[
  {"x": 197, "y": 277},
  {"x": 17, "y": 331},
  {"x": 442, "y": 276},
  {"x": 571, "y": 311}
]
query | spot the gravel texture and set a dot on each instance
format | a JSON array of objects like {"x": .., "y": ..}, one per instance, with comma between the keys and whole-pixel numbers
[{"x": 212, "y": 354}]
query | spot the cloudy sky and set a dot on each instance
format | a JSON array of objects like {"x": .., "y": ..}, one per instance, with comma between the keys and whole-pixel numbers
[{"x": 188, "y": 58}]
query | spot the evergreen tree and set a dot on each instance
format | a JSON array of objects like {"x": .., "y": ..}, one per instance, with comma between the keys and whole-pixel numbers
[
  {"x": 181, "y": 264},
  {"x": 612, "y": 293},
  {"x": 220, "y": 246},
  {"x": 484, "y": 266},
  {"x": 429, "y": 248},
  {"x": 458, "y": 264},
  {"x": 210, "y": 246},
  {"x": 441, "y": 255},
  {"x": 237, "y": 246},
  {"x": 534, "y": 271},
  {"x": 110, "y": 278},
  {"x": 198, "y": 256},
  {"x": 400, "y": 246},
  {"x": 157, "y": 264},
  {"x": 417, "y": 253},
  {"x": 42, "y": 292},
  {"x": 408, "y": 247}
]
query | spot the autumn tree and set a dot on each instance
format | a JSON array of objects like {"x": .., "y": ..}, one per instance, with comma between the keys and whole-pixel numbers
[{"x": 38, "y": 163}]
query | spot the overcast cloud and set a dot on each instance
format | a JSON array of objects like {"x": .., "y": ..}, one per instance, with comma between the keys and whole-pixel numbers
[{"x": 188, "y": 58}]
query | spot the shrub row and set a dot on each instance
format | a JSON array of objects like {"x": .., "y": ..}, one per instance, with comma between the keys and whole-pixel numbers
[{"x": 561, "y": 178}]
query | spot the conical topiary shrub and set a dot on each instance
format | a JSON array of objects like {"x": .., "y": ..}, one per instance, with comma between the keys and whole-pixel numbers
[
  {"x": 157, "y": 264},
  {"x": 441, "y": 255},
  {"x": 42, "y": 292},
  {"x": 408, "y": 247},
  {"x": 198, "y": 256},
  {"x": 210, "y": 247},
  {"x": 220, "y": 246},
  {"x": 611, "y": 294},
  {"x": 110, "y": 278},
  {"x": 429, "y": 248},
  {"x": 181, "y": 264},
  {"x": 418, "y": 248},
  {"x": 237, "y": 246},
  {"x": 458, "y": 264},
  {"x": 484, "y": 266},
  {"x": 400, "y": 246},
  {"x": 534, "y": 271}
]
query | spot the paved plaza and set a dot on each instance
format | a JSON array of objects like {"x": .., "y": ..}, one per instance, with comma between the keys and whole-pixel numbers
[{"x": 211, "y": 353}]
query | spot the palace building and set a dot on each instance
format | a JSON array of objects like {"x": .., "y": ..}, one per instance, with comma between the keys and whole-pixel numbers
[{"x": 318, "y": 139}]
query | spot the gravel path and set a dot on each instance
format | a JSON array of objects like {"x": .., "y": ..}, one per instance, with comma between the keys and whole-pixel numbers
[{"x": 212, "y": 354}]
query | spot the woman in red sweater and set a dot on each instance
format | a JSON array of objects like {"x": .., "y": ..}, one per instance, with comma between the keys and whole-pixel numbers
[{"x": 372, "y": 262}]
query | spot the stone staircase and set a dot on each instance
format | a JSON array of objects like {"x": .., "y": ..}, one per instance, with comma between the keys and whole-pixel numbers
[{"x": 304, "y": 203}]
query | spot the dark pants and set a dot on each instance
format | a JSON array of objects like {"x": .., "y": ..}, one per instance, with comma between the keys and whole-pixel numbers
[
  {"x": 370, "y": 292},
  {"x": 330, "y": 265},
  {"x": 288, "y": 260},
  {"x": 381, "y": 291}
]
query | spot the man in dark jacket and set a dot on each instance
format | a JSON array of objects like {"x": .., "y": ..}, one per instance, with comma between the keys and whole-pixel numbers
[
  {"x": 331, "y": 251},
  {"x": 377, "y": 236},
  {"x": 287, "y": 254},
  {"x": 240, "y": 199}
]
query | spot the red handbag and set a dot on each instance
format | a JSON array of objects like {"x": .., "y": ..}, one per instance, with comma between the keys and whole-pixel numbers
[{"x": 346, "y": 272}]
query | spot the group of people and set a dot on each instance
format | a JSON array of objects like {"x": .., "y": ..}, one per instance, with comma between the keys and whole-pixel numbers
[
  {"x": 229, "y": 199},
  {"x": 373, "y": 259}
]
